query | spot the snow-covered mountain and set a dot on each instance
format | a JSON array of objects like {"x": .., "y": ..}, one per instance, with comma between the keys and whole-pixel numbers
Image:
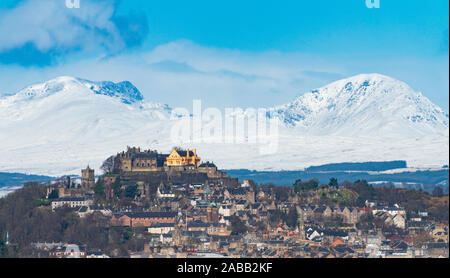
[
  {"x": 59, "y": 126},
  {"x": 366, "y": 104},
  {"x": 124, "y": 91},
  {"x": 44, "y": 126},
  {"x": 80, "y": 106}
]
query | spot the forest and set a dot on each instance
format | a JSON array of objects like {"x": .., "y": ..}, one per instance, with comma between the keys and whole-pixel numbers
[{"x": 28, "y": 219}]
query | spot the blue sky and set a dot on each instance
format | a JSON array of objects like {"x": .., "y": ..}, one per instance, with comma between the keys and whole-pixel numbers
[{"x": 249, "y": 53}]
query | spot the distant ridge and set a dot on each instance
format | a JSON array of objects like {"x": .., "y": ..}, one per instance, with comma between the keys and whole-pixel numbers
[
  {"x": 360, "y": 166},
  {"x": 425, "y": 180},
  {"x": 17, "y": 179}
]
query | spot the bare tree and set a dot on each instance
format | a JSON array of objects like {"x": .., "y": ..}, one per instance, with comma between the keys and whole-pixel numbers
[{"x": 108, "y": 165}]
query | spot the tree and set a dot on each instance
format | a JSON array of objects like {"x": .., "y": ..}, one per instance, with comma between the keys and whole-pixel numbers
[
  {"x": 346, "y": 184},
  {"x": 281, "y": 193},
  {"x": 292, "y": 218},
  {"x": 127, "y": 233},
  {"x": 131, "y": 191},
  {"x": 117, "y": 187},
  {"x": 420, "y": 239},
  {"x": 364, "y": 190},
  {"x": 3, "y": 250},
  {"x": 438, "y": 192},
  {"x": 99, "y": 189},
  {"x": 333, "y": 182},
  {"x": 237, "y": 225},
  {"x": 27, "y": 223},
  {"x": 365, "y": 222},
  {"x": 439, "y": 212},
  {"x": 260, "y": 226},
  {"x": 108, "y": 165},
  {"x": 123, "y": 251},
  {"x": 300, "y": 185},
  {"x": 53, "y": 195},
  {"x": 276, "y": 217}
]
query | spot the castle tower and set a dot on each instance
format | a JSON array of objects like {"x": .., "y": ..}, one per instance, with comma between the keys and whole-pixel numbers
[{"x": 87, "y": 178}]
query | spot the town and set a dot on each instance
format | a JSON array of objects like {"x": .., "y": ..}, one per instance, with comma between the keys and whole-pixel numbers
[{"x": 152, "y": 205}]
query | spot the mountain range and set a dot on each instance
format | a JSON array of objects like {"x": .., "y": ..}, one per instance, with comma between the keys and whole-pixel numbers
[{"x": 60, "y": 126}]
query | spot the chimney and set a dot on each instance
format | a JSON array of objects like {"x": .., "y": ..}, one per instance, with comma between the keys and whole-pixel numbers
[{"x": 187, "y": 153}]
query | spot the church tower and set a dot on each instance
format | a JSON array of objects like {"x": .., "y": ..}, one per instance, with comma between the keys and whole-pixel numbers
[{"x": 87, "y": 178}]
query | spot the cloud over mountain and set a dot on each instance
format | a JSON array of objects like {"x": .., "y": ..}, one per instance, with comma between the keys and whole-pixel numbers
[{"x": 49, "y": 29}]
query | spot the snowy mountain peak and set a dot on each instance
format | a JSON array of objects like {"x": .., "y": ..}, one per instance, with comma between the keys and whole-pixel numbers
[
  {"x": 123, "y": 91},
  {"x": 363, "y": 86},
  {"x": 359, "y": 84},
  {"x": 76, "y": 98},
  {"x": 42, "y": 90},
  {"x": 365, "y": 104}
]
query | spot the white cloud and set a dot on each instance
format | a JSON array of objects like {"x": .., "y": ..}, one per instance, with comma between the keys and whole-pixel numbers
[{"x": 50, "y": 25}]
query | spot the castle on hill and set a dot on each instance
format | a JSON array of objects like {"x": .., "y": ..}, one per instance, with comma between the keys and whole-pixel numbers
[
  {"x": 149, "y": 170},
  {"x": 137, "y": 160}
]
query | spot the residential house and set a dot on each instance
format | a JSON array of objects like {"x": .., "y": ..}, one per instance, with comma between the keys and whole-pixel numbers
[
  {"x": 242, "y": 193},
  {"x": 142, "y": 219}
]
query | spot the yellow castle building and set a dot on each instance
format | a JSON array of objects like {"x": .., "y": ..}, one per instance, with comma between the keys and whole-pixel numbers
[{"x": 183, "y": 158}]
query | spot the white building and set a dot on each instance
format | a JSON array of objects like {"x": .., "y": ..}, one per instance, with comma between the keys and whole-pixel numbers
[
  {"x": 161, "y": 228},
  {"x": 393, "y": 211},
  {"x": 164, "y": 192},
  {"x": 72, "y": 202},
  {"x": 96, "y": 255},
  {"x": 399, "y": 221},
  {"x": 226, "y": 210}
]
